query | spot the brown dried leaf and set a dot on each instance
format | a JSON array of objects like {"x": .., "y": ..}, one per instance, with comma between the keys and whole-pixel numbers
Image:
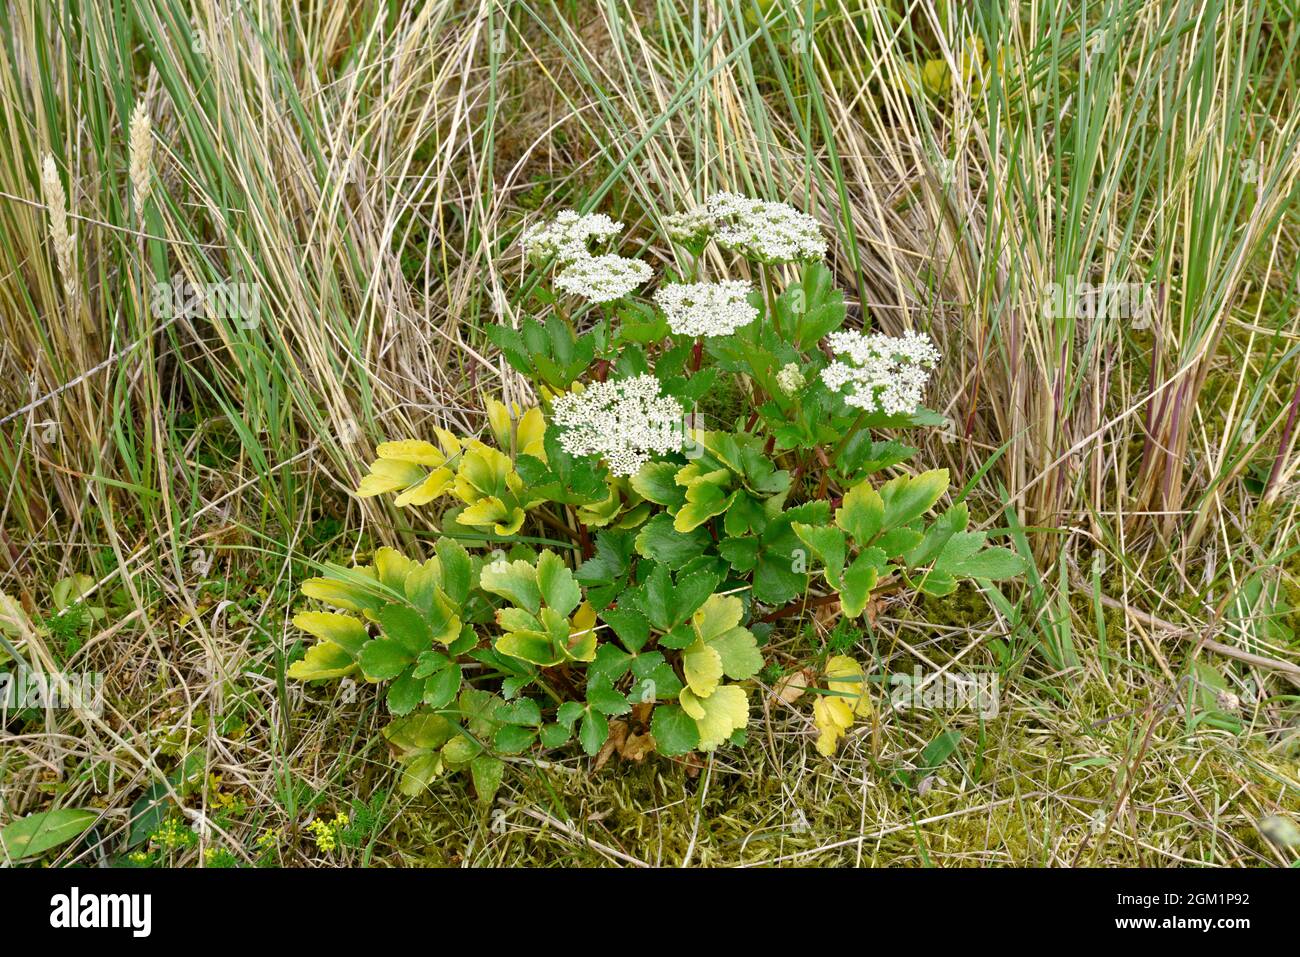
[{"x": 791, "y": 687}]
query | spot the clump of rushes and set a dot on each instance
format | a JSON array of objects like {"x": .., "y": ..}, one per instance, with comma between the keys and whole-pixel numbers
[
  {"x": 681, "y": 539},
  {"x": 56, "y": 206}
]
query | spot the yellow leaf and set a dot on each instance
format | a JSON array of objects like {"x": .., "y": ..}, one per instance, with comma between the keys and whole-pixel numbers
[
  {"x": 532, "y": 430},
  {"x": 323, "y": 660},
  {"x": 833, "y": 713},
  {"x": 935, "y": 77},
  {"x": 832, "y": 716},
  {"x": 844, "y": 675},
  {"x": 415, "y": 451},
  {"x": 703, "y": 668},
  {"x": 387, "y": 475},
  {"x": 725, "y": 712},
  {"x": 437, "y": 483},
  {"x": 450, "y": 444},
  {"x": 582, "y": 633},
  {"x": 498, "y": 422}
]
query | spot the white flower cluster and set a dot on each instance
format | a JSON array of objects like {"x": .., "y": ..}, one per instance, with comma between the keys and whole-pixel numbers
[
  {"x": 757, "y": 229},
  {"x": 707, "y": 308},
  {"x": 602, "y": 278},
  {"x": 766, "y": 232},
  {"x": 790, "y": 378},
  {"x": 568, "y": 236},
  {"x": 691, "y": 226},
  {"x": 567, "y": 239},
  {"x": 624, "y": 421},
  {"x": 886, "y": 373}
]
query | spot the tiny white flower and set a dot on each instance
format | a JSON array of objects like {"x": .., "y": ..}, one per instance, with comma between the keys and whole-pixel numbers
[
  {"x": 602, "y": 278},
  {"x": 707, "y": 308},
  {"x": 763, "y": 231},
  {"x": 625, "y": 421},
  {"x": 568, "y": 236},
  {"x": 790, "y": 378},
  {"x": 885, "y": 373}
]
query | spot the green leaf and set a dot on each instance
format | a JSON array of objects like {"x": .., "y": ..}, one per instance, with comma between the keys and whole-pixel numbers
[
  {"x": 610, "y": 664},
  {"x": 555, "y": 735},
  {"x": 384, "y": 658},
  {"x": 515, "y": 581},
  {"x": 952, "y": 521},
  {"x": 555, "y": 581},
  {"x": 899, "y": 540},
  {"x": 531, "y": 646},
  {"x": 632, "y": 627},
  {"x": 859, "y": 578},
  {"x": 993, "y": 564},
  {"x": 37, "y": 833},
  {"x": 655, "y": 597},
  {"x": 147, "y": 813},
  {"x": 418, "y": 772},
  {"x": 742, "y": 553},
  {"x": 861, "y": 456},
  {"x": 675, "y": 731},
  {"x": 348, "y": 595},
  {"x": 422, "y": 731},
  {"x": 524, "y": 711},
  {"x": 657, "y": 483},
  {"x": 441, "y": 688},
  {"x": 606, "y": 700},
  {"x": 593, "y": 732},
  {"x": 907, "y": 499},
  {"x": 690, "y": 593},
  {"x": 738, "y": 649},
  {"x": 407, "y": 627},
  {"x": 457, "y": 569},
  {"x": 404, "y": 694},
  {"x": 513, "y": 738},
  {"x": 569, "y": 712},
  {"x": 827, "y": 544},
  {"x": 660, "y": 541},
  {"x": 486, "y": 773}
]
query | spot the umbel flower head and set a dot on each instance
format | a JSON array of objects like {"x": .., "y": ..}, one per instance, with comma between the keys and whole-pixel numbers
[
  {"x": 689, "y": 227},
  {"x": 568, "y": 236},
  {"x": 765, "y": 232},
  {"x": 884, "y": 373},
  {"x": 602, "y": 278},
  {"x": 790, "y": 378},
  {"x": 757, "y": 229},
  {"x": 707, "y": 308},
  {"x": 625, "y": 421}
]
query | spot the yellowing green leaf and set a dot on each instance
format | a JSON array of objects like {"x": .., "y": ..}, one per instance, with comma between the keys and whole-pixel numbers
[
  {"x": 862, "y": 513},
  {"x": 323, "y": 660},
  {"x": 414, "y": 451},
  {"x": 343, "y": 630},
  {"x": 703, "y": 668},
  {"x": 720, "y": 613},
  {"x": 724, "y": 712},
  {"x": 437, "y": 483},
  {"x": 389, "y": 476}
]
